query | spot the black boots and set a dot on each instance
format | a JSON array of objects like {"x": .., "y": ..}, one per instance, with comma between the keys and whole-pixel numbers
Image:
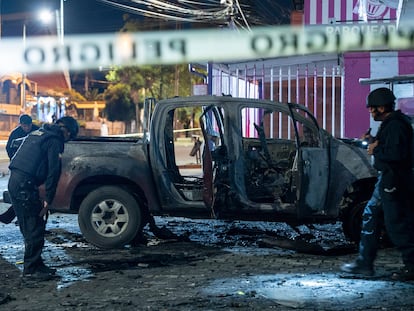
[{"x": 358, "y": 268}]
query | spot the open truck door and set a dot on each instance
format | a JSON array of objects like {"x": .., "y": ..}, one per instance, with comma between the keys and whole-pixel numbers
[{"x": 312, "y": 163}]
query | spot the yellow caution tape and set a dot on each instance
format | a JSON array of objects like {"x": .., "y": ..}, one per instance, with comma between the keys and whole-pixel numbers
[{"x": 80, "y": 52}]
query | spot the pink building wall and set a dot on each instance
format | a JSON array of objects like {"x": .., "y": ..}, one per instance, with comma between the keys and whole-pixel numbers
[
  {"x": 319, "y": 12},
  {"x": 356, "y": 116},
  {"x": 406, "y": 62},
  {"x": 363, "y": 64},
  {"x": 372, "y": 65}
]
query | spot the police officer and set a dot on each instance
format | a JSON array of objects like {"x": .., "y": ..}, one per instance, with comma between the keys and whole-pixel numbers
[
  {"x": 393, "y": 153},
  {"x": 25, "y": 127},
  {"x": 37, "y": 162}
]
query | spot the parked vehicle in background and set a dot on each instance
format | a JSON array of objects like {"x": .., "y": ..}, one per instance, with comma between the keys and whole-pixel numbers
[{"x": 271, "y": 162}]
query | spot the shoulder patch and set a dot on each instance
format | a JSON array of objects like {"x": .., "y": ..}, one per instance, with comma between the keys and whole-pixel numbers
[{"x": 37, "y": 133}]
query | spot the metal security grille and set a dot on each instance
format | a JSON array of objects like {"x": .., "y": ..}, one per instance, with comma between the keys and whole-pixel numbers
[{"x": 318, "y": 85}]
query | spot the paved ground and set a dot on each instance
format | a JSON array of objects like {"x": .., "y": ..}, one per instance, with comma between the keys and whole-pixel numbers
[
  {"x": 3, "y": 153},
  {"x": 220, "y": 266}
]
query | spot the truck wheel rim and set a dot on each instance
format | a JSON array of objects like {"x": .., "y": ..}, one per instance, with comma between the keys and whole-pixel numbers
[{"x": 109, "y": 218}]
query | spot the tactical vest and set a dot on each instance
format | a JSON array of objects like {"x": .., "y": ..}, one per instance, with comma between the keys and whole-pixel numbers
[{"x": 31, "y": 157}]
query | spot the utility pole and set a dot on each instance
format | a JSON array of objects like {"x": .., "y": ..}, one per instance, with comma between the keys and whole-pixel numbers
[
  {"x": 1, "y": 19},
  {"x": 60, "y": 23},
  {"x": 23, "y": 85}
]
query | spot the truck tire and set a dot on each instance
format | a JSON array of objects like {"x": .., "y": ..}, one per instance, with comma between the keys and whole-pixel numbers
[
  {"x": 352, "y": 223},
  {"x": 352, "y": 220},
  {"x": 109, "y": 217}
]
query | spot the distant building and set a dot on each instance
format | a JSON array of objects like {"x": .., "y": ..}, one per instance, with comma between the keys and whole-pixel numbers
[{"x": 40, "y": 99}]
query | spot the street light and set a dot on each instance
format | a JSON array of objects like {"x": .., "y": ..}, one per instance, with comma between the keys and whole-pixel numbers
[{"x": 45, "y": 16}]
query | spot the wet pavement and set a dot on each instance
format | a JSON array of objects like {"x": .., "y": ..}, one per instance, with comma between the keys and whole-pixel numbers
[{"x": 218, "y": 265}]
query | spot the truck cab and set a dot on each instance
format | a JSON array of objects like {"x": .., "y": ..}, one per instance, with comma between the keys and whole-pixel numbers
[{"x": 270, "y": 161}]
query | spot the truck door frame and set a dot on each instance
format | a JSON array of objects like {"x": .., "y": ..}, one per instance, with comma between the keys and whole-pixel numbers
[{"x": 209, "y": 167}]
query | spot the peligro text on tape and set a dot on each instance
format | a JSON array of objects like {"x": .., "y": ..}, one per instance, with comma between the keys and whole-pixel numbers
[{"x": 43, "y": 54}]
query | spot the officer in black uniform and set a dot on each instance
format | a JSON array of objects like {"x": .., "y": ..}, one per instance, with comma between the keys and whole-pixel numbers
[
  {"x": 25, "y": 127},
  {"x": 393, "y": 154},
  {"x": 37, "y": 162}
]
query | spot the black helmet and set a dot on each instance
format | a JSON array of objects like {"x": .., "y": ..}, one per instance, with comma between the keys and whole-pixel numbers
[
  {"x": 71, "y": 124},
  {"x": 381, "y": 97},
  {"x": 25, "y": 119}
]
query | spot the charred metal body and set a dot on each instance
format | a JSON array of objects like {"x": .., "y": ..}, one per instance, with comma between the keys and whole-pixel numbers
[{"x": 285, "y": 168}]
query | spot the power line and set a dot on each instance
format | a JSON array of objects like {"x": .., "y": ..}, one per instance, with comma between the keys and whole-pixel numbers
[
  {"x": 249, "y": 12},
  {"x": 171, "y": 11}
]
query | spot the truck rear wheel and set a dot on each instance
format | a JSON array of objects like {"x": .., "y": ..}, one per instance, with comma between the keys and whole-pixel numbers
[
  {"x": 352, "y": 221},
  {"x": 109, "y": 217}
]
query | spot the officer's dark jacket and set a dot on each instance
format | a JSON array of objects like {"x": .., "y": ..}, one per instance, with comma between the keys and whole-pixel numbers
[
  {"x": 39, "y": 158},
  {"x": 393, "y": 155},
  {"x": 18, "y": 132}
]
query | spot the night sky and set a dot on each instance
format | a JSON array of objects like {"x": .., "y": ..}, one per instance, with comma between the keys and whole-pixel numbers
[
  {"x": 80, "y": 16},
  {"x": 92, "y": 16}
]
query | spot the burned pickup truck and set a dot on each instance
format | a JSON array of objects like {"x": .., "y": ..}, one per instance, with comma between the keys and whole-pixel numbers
[{"x": 270, "y": 161}]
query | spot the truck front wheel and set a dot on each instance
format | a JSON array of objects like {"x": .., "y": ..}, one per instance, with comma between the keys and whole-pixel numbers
[{"x": 109, "y": 217}]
